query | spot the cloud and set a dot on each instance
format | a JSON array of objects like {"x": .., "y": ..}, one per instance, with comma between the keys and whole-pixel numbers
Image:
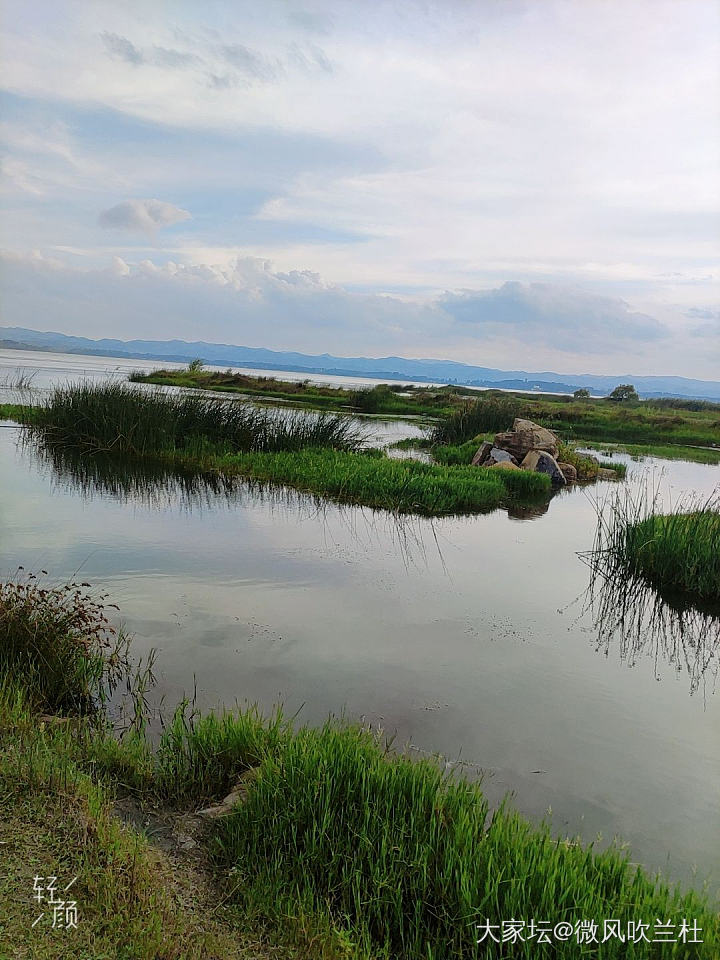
[
  {"x": 246, "y": 64},
  {"x": 709, "y": 326},
  {"x": 146, "y": 216},
  {"x": 538, "y": 313},
  {"x": 173, "y": 59},
  {"x": 120, "y": 48},
  {"x": 251, "y": 64},
  {"x": 704, "y": 313},
  {"x": 248, "y": 301}
]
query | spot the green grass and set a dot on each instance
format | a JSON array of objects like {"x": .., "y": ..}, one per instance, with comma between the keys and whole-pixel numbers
[
  {"x": 679, "y": 551},
  {"x": 15, "y": 411},
  {"x": 61, "y": 769},
  {"x": 633, "y": 422},
  {"x": 341, "y": 846},
  {"x": 676, "y": 552},
  {"x": 403, "y": 861},
  {"x": 114, "y": 417},
  {"x": 490, "y": 414},
  {"x": 405, "y": 486},
  {"x": 383, "y": 398},
  {"x": 669, "y": 430},
  {"x": 412, "y": 443},
  {"x": 463, "y": 413},
  {"x": 314, "y": 453},
  {"x": 599, "y": 420},
  {"x": 456, "y": 454}
]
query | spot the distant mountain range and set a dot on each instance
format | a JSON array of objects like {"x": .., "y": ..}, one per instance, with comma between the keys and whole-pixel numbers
[{"x": 389, "y": 368}]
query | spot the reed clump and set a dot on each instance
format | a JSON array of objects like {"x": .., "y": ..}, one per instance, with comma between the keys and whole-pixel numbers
[
  {"x": 59, "y": 644},
  {"x": 487, "y": 415},
  {"x": 676, "y": 551},
  {"x": 116, "y": 417},
  {"x": 679, "y": 551}
]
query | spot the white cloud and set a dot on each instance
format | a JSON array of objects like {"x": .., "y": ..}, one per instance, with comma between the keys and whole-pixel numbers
[
  {"x": 250, "y": 302},
  {"x": 561, "y": 143},
  {"x": 145, "y": 216},
  {"x": 535, "y": 313}
]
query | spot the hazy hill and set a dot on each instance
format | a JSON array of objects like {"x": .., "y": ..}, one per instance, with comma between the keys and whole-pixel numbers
[{"x": 401, "y": 368}]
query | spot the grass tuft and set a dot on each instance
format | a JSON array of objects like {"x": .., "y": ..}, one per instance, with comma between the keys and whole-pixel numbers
[
  {"x": 404, "y": 486},
  {"x": 338, "y": 844},
  {"x": 115, "y": 417},
  {"x": 59, "y": 643},
  {"x": 678, "y": 552},
  {"x": 490, "y": 414},
  {"x": 401, "y": 861}
]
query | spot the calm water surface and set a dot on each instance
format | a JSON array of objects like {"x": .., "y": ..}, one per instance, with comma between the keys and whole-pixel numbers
[{"x": 466, "y": 636}]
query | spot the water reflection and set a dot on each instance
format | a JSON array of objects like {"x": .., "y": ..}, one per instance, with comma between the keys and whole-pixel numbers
[
  {"x": 461, "y": 650},
  {"x": 154, "y": 486},
  {"x": 631, "y": 615},
  {"x": 144, "y": 482},
  {"x": 627, "y": 614},
  {"x": 528, "y": 511}
]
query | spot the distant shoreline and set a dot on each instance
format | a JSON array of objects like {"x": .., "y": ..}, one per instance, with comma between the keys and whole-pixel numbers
[{"x": 430, "y": 372}]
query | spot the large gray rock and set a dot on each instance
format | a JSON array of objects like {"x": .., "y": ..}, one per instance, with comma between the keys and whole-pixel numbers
[
  {"x": 543, "y": 462},
  {"x": 498, "y": 455},
  {"x": 483, "y": 452},
  {"x": 526, "y": 436}
]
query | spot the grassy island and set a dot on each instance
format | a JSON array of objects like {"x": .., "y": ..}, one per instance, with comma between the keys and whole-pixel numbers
[
  {"x": 323, "y": 454},
  {"x": 331, "y": 844},
  {"x": 654, "y": 423},
  {"x": 388, "y": 399},
  {"x": 677, "y": 552}
]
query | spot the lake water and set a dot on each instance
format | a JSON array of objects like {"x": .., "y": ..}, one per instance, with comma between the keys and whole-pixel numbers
[
  {"x": 465, "y": 636},
  {"x": 45, "y": 369}
]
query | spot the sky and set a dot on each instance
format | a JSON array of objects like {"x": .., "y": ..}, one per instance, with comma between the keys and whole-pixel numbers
[{"x": 531, "y": 184}]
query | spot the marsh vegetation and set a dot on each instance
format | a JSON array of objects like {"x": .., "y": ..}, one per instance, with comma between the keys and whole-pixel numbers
[
  {"x": 676, "y": 551},
  {"x": 317, "y": 453},
  {"x": 113, "y": 417},
  {"x": 316, "y": 848},
  {"x": 464, "y": 413}
]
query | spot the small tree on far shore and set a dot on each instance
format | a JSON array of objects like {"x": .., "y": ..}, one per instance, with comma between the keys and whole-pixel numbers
[
  {"x": 582, "y": 394},
  {"x": 624, "y": 391},
  {"x": 196, "y": 365}
]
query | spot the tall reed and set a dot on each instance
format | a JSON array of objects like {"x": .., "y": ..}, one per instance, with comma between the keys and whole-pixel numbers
[
  {"x": 117, "y": 417},
  {"x": 677, "y": 551},
  {"x": 489, "y": 414}
]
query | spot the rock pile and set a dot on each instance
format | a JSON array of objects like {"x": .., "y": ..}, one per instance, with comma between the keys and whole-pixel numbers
[{"x": 527, "y": 446}]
